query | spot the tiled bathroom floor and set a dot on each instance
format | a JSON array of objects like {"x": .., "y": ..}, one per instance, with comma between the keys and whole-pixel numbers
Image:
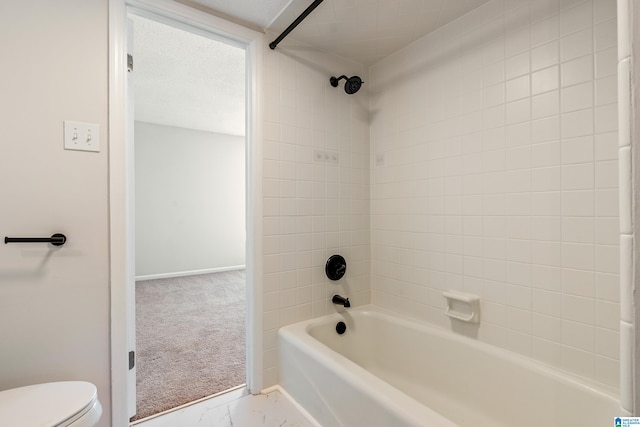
[{"x": 235, "y": 410}]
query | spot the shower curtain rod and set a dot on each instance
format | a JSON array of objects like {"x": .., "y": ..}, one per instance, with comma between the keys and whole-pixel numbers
[{"x": 295, "y": 23}]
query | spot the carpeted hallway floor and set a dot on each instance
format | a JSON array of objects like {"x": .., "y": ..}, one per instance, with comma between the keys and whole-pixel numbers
[{"x": 190, "y": 334}]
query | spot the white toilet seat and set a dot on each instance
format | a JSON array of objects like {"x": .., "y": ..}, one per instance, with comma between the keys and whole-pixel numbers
[
  {"x": 89, "y": 417},
  {"x": 59, "y": 404}
]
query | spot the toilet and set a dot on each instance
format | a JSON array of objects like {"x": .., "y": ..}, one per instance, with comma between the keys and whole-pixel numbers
[{"x": 59, "y": 404}]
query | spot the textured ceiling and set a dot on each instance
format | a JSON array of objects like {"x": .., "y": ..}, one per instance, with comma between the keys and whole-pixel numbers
[
  {"x": 256, "y": 14},
  {"x": 362, "y": 30},
  {"x": 187, "y": 80}
]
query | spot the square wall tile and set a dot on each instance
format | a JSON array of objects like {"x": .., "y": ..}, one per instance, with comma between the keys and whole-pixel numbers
[{"x": 502, "y": 180}]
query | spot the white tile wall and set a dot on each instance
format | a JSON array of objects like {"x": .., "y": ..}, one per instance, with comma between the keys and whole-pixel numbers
[
  {"x": 628, "y": 370},
  {"x": 312, "y": 209},
  {"x": 494, "y": 171}
]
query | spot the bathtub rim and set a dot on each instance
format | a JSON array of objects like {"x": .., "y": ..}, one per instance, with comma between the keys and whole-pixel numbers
[
  {"x": 412, "y": 412},
  {"x": 302, "y": 329}
]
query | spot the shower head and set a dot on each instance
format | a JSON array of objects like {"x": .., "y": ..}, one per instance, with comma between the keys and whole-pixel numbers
[{"x": 351, "y": 86}]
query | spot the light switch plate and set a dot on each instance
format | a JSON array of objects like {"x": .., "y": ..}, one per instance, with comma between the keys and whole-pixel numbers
[{"x": 81, "y": 136}]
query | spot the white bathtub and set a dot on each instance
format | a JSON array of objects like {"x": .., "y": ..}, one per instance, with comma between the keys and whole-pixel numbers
[{"x": 386, "y": 371}]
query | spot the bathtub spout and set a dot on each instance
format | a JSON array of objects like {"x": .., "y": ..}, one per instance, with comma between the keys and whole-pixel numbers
[{"x": 337, "y": 299}]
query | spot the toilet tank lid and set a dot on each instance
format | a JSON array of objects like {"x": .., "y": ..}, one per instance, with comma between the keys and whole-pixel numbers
[{"x": 46, "y": 404}]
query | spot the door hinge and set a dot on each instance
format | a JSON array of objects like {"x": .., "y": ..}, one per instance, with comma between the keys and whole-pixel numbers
[
  {"x": 132, "y": 359},
  {"x": 129, "y": 62}
]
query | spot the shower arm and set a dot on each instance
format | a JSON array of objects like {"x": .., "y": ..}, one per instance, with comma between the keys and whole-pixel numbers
[
  {"x": 334, "y": 80},
  {"x": 295, "y": 23}
]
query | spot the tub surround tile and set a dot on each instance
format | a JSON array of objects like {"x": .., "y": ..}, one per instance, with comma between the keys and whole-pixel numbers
[
  {"x": 534, "y": 214},
  {"x": 608, "y": 343},
  {"x": 624, "y": 103},
  {"x": 625, "y": 179},
  {"x": 606, "y": 315},
  {"x": 315, "y": 188},
  {"x": 604, "y": 10},
  {"x": 546, "y": 29},
  {"x": 608, "y": 371},
  {"x": 606, "y": 34},
  {"x": 576, "y": 18},
  {"x": 626, "y": 365},
  {"x": 606, "y": 117},
  {"x": 604, "y": 90},
  {"x": 578, "y": 361},
  {"x": 576, "y": 45},
  {"x": 547, "y": 351},
  {"x": 624, "y": 29},
  {"x": 626, "y": 278}
]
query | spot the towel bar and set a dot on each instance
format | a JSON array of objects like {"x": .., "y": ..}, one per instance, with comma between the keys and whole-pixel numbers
[{"x": 56, "y": 239}]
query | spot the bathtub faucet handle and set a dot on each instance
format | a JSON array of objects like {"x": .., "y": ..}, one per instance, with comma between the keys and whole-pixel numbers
[
  {"x": 337, "y": 299},
  {"x": 336, "y": 267}
]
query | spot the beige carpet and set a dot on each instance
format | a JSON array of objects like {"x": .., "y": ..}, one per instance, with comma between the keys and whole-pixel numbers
[{"x": 190, "y": 334}]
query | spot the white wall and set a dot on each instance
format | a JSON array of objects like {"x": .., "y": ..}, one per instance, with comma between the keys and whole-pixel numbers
[
  {"x": 494, "y": 171},
  {"x": 54, "y": 304},
  {"x": 190, "y": 200},
  {"x": 311, "y": 209}
]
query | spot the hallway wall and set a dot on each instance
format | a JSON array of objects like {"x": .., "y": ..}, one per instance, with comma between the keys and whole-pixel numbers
[{"x": 190, "y": 201}]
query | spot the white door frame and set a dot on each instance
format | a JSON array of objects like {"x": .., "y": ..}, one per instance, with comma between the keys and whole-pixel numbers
[{"x": 119, "y": 266}]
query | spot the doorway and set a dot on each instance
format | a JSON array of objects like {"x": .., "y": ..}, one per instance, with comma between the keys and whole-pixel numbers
[
  {"x": 189, "y": 172},
  {"x": 121, "y": 156}
]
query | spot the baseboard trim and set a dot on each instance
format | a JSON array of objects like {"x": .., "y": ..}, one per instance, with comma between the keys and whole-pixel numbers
[{"x": 189, "y": 273}]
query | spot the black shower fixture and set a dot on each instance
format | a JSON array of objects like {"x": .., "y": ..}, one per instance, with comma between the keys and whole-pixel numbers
[{"x": 351, "y": 86}]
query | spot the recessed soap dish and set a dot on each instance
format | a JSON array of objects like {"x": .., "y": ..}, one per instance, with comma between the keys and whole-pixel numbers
[{"x": 462, "y": 306}]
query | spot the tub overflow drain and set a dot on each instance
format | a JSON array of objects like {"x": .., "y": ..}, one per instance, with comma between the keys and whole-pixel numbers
[{"x": 341, "y": 328}]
